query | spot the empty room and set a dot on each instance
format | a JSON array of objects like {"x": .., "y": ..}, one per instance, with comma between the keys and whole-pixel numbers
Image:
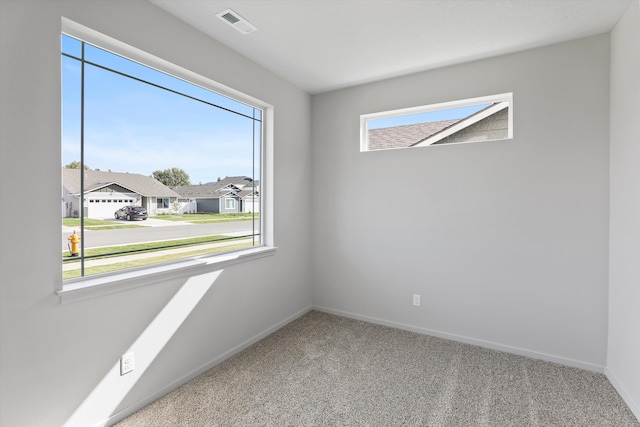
[{"x": 318, "y": 212}]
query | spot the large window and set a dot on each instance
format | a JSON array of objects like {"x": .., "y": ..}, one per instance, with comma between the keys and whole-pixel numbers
[
  {"x": 146, "y": 157},
  {"x": 487, "y": 118}
]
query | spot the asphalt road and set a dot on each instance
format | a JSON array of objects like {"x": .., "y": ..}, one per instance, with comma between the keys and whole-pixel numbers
[{"x": 164, "y": 230}]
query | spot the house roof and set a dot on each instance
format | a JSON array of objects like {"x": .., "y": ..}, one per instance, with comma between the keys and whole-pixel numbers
[
  {"x": 405, "y": 135},
  {"x": 238, "y": 181},
  {"x": 246, "y": 193},
  {"x": 429, "y": 133},
  {"x": 94, "y": 180},
  {"x": 477, "y": 117},
  {"x": 202, "y": 190},
  {"x": 235, "y": 184}
]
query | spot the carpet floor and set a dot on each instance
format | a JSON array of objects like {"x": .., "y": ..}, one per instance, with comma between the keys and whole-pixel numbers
[{"x": 325, "y": 370}]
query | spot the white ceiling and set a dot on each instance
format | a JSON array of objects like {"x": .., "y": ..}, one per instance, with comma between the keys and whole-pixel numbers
[{"x": 321, "y": 45}]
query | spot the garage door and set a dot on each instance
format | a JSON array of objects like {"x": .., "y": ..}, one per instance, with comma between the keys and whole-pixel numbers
[{"x": 105, "y": 207}]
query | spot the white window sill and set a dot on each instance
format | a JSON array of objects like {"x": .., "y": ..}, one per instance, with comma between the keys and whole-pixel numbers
[{"x": 92, "y": 287}]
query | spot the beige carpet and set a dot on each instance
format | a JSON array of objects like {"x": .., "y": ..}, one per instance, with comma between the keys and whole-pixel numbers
[{"x": 325, "y": 370}]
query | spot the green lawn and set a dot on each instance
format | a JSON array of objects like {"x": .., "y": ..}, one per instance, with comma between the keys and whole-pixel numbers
[
  {"x": 75, "y": 222},
  {"x": 100, "y": 224},
  {"x": 208, "y": 218},
  {"x": 114, "y": 251},
  {"x": 96, "y": 224},
  {"x": 70, "y": 274}
]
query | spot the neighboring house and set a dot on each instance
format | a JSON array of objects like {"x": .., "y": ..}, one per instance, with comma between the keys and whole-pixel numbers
[
  {"x": 229, "y": 195},
  {"x": 106, "y": 192},
  {"x": 490, "y": 123},
  {"x": 250, "y": 200}
]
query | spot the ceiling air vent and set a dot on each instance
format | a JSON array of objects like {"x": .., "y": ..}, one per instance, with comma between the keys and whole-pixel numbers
[{"x": 236, "y": 21}]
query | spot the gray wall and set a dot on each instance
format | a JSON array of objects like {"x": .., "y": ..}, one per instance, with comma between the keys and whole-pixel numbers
[
  {"x": 53, "y": 356},
  {"x": 508, "y": 241},
  {"x": 623, "y": 357}
]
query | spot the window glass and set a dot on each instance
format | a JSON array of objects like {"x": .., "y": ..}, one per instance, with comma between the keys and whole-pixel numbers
[
  {"x": 230, "y": 203},
  {"x": 133, "y": 135},
  {"x": 471, "y": 120}
]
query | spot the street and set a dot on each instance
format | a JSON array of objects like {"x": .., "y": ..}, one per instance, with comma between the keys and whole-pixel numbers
[{"x": 156, "y": 230}]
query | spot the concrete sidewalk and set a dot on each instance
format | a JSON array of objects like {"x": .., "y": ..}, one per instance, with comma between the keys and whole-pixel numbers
[{"x": 124, "y": 258}]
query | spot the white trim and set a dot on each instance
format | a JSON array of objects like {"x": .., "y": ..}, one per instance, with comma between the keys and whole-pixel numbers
[
  {"x": 79, "y": 289},
  {"x": 201, "y": 370},
  {"x": 75, "y": 290},
  {"x": 467, "y": 340},
  {"x": 633, "y": 406}
]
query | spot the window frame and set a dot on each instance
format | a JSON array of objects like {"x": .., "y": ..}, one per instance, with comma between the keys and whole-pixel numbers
[
  {"x": 229, "y": 201},
  {"x": 502, "y": 97},
  {"x": 85, "y": 287},
  {"x": 160, "y": 202}
]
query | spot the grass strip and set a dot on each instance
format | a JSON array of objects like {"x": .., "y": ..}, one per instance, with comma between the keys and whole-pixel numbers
[
  {"x": 207, "y": 218},
  {"x": 208, "y": 221},
  {"x": 114, "y": 251},
  {"x": 88, "y": 271},
  {"x": 75, "y": 222},
  {"x": 96, "y": 224},
  {"x": 111, "y": 227}
]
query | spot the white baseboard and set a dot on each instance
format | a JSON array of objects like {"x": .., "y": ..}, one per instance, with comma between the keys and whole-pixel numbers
[
  {"x": 202, "y": 369},
  {"x": 480, "y": 343},
  {"x": 633, "y": 406}
]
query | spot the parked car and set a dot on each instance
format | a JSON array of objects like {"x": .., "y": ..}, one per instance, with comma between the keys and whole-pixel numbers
[{"x": 131, "y": 212}]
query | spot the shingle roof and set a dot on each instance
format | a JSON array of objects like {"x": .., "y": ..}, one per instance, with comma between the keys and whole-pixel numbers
[
  {"x": 202, "y": 191},
  {"x": 216, "y": 189},
  {"x": 405, "y": 135},
  {"x": 487, "y": 123},
  {"x": 93, "y": 180},
  {"x": 245, "y": 193},
  {"x": 241, "y": 181}
]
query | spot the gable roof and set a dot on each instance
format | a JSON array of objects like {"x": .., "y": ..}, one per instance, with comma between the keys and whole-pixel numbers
[
  {"x": 233, "y": 184},
  {"x": 238, "y": 181},
  {"x": 405, "y": 135},
  {"x": 247, "y": 193},
  {"x": 201, "y": 190},
  {"x": 429, "y": 133},
  {"x": 464, "y": 123},
  {"x": 94, "y": 180}
]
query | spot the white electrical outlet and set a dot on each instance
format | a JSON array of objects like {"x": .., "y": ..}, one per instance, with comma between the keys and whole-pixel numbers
[
  {"x": 416, "y": 300},
  {"x": 126, "y": 363}
]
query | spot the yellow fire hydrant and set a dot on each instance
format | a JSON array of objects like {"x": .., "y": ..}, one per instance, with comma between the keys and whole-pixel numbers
[{"x": 74, "y": 247}]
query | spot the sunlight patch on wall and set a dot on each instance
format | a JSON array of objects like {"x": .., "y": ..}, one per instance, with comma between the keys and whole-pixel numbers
[{"x": 107, "y": 395}]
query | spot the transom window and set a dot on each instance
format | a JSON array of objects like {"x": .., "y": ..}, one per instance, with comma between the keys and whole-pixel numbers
[
  {"x": 144, "y": 153},
  {"x": 487, "y": 118}
]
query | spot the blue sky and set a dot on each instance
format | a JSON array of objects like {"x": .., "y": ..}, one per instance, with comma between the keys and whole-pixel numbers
[{"x": 138, "y": 128}]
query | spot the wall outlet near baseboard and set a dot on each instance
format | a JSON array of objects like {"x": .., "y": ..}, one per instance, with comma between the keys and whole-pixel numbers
[
  {"x": 416, "y": 300},
  {"x": 126, "y": 363}
]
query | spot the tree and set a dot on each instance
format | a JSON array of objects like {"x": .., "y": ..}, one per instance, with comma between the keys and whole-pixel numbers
[
  {"x": 172, "y": 177},
  {"x": 76, "y": 165}
]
